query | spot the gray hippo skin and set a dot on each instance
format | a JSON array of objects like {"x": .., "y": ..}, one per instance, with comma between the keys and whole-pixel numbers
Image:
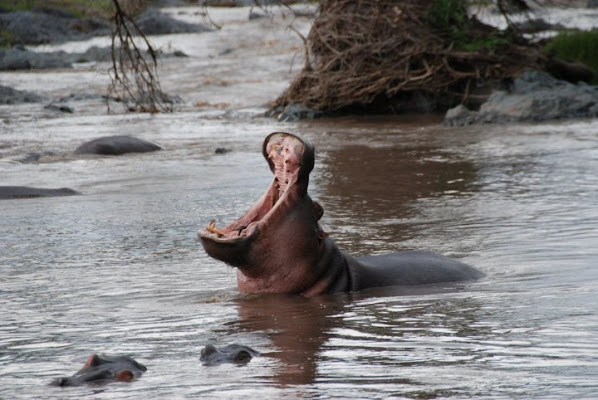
[
  {"x": 278, "y": 246},
  {"x": 104, "y": 369},
  {"x": 117, "y": 145},
  {"x": 25, "y": 192},
  {"x": 234, "y": 353}
]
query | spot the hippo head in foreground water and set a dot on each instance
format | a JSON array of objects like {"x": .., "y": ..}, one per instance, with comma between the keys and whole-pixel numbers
[{"x": 278, "y": 246}]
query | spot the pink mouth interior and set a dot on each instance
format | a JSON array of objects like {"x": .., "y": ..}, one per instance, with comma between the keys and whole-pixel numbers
[{"x": 284, "y": 153}]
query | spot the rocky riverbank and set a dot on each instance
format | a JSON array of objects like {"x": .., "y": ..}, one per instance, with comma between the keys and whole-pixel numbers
[
  {"x": 533, "y": 96},
  {"x": 49, "y": 25}
]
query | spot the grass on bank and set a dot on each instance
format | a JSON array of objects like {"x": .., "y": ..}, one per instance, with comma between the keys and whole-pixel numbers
[
  {"x": 79, "y": 8},
  {"x": 577, "y": 46}
]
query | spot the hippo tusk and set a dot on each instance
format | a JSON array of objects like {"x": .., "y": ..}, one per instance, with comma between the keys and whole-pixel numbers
[{"x": 212, "y": 228}]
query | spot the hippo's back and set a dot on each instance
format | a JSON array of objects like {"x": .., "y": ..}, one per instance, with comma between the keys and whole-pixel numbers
[{"x": 409, "y": 268}]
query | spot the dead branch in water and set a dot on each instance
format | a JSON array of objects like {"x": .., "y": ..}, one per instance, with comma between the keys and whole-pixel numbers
[{"x": 133, "y": 77}]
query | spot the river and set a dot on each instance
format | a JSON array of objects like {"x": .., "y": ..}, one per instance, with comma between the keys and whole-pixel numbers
[{"x": 119, "y": 270}]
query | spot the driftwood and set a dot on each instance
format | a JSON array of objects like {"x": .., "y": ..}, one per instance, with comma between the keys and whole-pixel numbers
[{"x": 373, "y": 53}]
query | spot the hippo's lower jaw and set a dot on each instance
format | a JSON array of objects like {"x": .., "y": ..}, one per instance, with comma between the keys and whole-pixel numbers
[{"x": 279, "y": 247}]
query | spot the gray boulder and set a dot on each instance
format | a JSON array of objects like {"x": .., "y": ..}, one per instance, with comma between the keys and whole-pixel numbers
[
  {"x": 19, "y": 58},
  {"x": 533, "y": 96},
  {"x": 28, "y": 27},
  {"x": 9, "y": 95},
  {"x": 294, "y": 112},
  {"x": 49, "y": 25},
  {"x": 153, "y": 22}
]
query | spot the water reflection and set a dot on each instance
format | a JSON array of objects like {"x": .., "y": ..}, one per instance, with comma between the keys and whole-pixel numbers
[
  {"x": 370, "y": 193},
  {"x": 374, "y": 328}
]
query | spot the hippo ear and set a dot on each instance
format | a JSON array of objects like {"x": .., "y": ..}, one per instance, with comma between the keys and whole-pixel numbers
[
  {"x": 317, "y": 209},
  {"x": 93, "y": 361},
  {"x": 124, "y": 376},
  {"x": 207, "y": 351}
]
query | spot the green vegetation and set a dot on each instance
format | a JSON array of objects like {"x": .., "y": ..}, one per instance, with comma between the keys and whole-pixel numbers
[
  {"x": 6, "y": 39},
  {"x": 577, "y": 46},
  {"x": 449, "y": 18},
  {"x": 79, "y": 8}
]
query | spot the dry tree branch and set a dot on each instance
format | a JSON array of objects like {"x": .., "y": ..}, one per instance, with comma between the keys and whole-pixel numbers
[{"x": 134, "y": 79}]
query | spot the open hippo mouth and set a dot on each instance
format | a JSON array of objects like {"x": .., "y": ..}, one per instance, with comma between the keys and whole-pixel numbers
[{"x": 291, "y": 159}]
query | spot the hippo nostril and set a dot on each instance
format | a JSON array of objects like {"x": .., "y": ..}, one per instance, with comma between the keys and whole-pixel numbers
[
  {"x": 62, "y": 382},
  {"x": 124, "y": 376},
  {"x": 242, "y": 356}
]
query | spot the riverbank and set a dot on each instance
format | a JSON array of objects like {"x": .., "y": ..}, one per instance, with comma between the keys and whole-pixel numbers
[{"x": 206, "y": 77}]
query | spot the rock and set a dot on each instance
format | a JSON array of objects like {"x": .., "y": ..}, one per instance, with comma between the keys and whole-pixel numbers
[
  {"x": 256, "y": 15},
  {"x": 35, "y": 157},
  {"x": 294, "y": 112},
  {"x": 222, "y": 150},
  {"x": 59, "y": 107},
  {"x": 51, "y": 25},
  {"x": 81, "y": 97},
  {"x": 19, "y": 58},
  {"x": 93, "y": 54},
  {"x": 153, "y": 22},
  {"x": 9, "y": 95},
  {"x": 92, "y": 26},
  {"x": 459, "y": 116},
  {"x": 28, "y": 27},
  {"x": 533, "y": 96}
]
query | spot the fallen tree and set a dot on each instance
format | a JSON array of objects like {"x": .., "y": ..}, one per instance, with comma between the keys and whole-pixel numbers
[{"x": 394, "y": 56}]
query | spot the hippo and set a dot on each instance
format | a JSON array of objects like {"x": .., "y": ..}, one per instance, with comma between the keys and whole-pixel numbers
[
  {"x": 278, "y": 246},
  {"x": 104, "y": 369},
  {"x": 26, "y": 192},
  {"x": 117, "y": 145},
  {"x": 235, "y": 353}
]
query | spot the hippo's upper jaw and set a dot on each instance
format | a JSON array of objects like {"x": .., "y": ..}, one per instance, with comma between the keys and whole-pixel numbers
[{"x": 278, "y": 230}]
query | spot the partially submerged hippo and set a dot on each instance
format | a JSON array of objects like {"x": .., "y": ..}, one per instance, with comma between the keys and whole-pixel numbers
[
  {"x": 117, "y": 145},
  {"x": 26, "y": 192},
  {"x": 235, "y": 353},
  {"x": 104, "y": 369},
  {"x": 278, "y": 246}
]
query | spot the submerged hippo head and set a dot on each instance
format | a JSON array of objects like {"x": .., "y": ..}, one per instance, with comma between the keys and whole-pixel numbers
[
  {"x": 276, "y": 244},
  {"x": 234, "y": 353},
  {"x": 102, "y": 369}
]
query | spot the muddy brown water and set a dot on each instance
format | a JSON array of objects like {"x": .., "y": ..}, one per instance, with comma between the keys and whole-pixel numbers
[{"x": 119, "y": 270}]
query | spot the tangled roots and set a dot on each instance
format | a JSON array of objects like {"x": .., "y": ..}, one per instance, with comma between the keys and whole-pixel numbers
[{"x": 375, "y": 52}]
